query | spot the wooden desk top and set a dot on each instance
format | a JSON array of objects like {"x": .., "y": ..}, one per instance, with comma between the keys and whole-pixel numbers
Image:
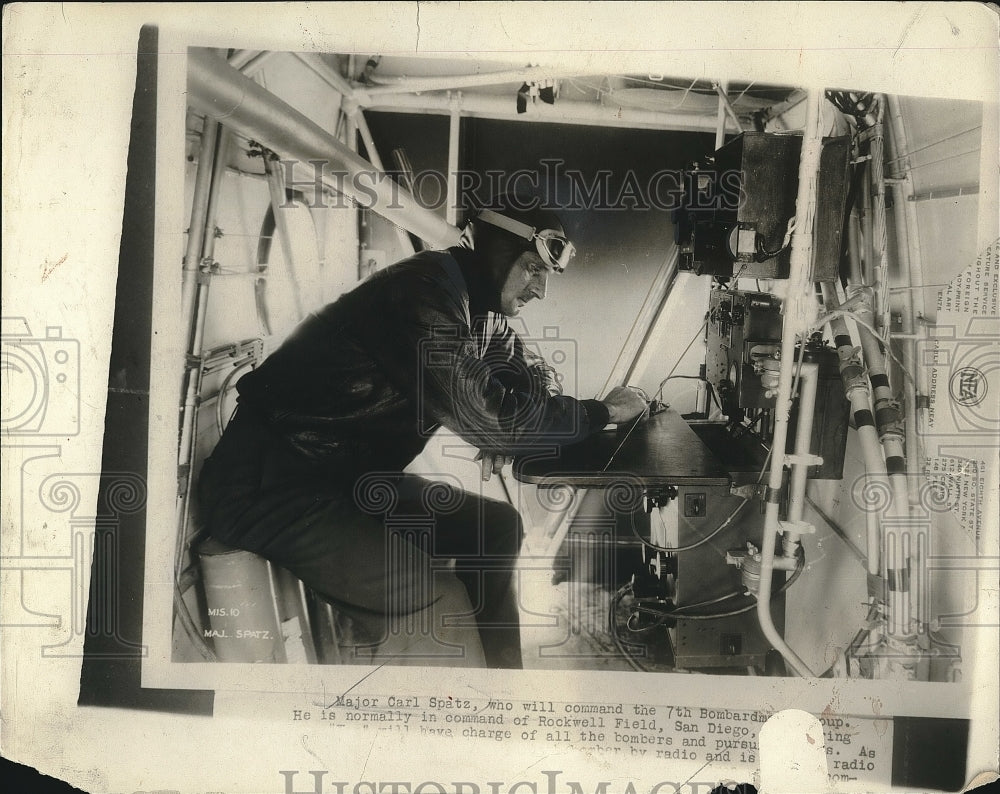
[{"x": 662, "y": 450}]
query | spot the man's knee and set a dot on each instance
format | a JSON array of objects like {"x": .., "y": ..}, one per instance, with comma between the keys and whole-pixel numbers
[{"x": 504, "y": 528}]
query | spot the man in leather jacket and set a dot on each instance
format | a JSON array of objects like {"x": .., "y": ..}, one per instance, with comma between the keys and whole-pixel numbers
[{"x": 309, "y": 472}]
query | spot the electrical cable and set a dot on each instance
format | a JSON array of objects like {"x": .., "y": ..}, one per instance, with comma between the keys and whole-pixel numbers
[
  {"x": 762, "y": 254},
  {"x": 700, "y": 542},
  {"x": 684, "y": 611},
  {"x": 932, "y": 144},
  {"x": 612, "y": 619},
  {"x": 711, "y": 388},
  {"x": 663, "y": 618},
  {"x": 680, "y": 358},
  {"x": 839, "y": 531}
]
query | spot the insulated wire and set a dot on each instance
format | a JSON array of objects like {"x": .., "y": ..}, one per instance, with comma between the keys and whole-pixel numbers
[
  {"x": 700, "y": 542},
  {"x": 680, "y": 358},
  {"x": 665, "y": 616},
  {"x": 612, "y": 608},
  {"x": 932, "y": 144},
  {"x": 880, "y": 337},
  {"x": 711, "y": 388},
  {"x": 678, "y": 613}
]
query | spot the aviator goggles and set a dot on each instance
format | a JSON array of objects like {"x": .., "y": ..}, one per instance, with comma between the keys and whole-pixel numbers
[{"x": 552, "y": 246}]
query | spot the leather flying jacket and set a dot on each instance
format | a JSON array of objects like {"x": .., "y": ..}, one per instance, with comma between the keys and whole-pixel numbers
[{"x": 364, "y": 382}]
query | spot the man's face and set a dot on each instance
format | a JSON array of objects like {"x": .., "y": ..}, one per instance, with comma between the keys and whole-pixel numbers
[{"x": 526, "y": 279}]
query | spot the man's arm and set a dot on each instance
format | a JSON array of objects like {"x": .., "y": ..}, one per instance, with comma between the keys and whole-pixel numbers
[
  {"x": 426, "y": 345},
  {"x": 516, "y": 364}
]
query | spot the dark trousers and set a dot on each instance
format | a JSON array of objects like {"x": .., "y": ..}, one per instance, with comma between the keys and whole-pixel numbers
[{"x": 400, "y": 554}]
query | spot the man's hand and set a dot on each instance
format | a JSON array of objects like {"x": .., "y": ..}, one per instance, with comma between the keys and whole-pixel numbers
[
  {"x": 623, "y": 403},
  {"x": 492, "y": 462}
]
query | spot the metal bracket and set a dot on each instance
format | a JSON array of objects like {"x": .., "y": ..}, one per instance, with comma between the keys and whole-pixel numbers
[
  {"x": 804, "y": 460},
  {"x": 748, "y": 492},
  {"x": 797, "y": 527}
]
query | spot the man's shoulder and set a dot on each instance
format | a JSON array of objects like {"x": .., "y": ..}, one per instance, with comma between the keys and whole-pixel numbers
[
  {"x": 427, "y": 270},
  {"x": 431, "y": 262}
]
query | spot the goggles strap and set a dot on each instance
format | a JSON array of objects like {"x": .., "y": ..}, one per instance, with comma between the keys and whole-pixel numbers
[
  {"x": 527, "y": 232},
  {"x": 507, "y": 224}
]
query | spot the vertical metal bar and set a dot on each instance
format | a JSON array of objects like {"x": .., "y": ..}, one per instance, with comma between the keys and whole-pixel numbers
[
  {"x": 720, "y": 123},
  {"x": 728, "y": 106},
  {"x": 276, "y": 187},
  {"x": 808, "y": 381},
  {"x": 854, "y": 248},
  {"x": 915, "y": 394},
  {"x": 373, "y": 156},
  {"x": 867, "y": 250},
  {"x": 454, "y": 126},
  {"x": 795, "y": 310},
  {"x": 878, "y": 226},
  {"x": 913, "y": 258},
  {"x": 196, "y": 332},
  {"x": 196, "y": 229}
]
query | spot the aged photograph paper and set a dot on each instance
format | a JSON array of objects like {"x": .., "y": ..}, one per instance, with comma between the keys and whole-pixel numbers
[{"x": 548, "y": 397}]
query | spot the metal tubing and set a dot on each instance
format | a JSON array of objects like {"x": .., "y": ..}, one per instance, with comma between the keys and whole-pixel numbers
[
  {"x": 856, "y": 389},
  {"x": 879, "y": 236},
  {"x": 196, "y": 333},
  {"x": 208, "y": 240},
  {"x": 454, "y": 127},
  {"x": 720, "y": 120},
  {"x": 854, "y": 248},
  {"x": 326, "y": 73},
  {"x": 376, "y": 160},
  {"x": 276, "y": 188},
  {"x": 794, "y": 310},
  {"x": 808, "y": 380},
  {"x": 218, "y": 90},
  {"x": 888, "y": 421},
  {"x": 867, "y": 251},
  {"x": 196, "y": 229},
  {"x": 258, "y": 63},
  {"x": 915, "y": 394},
  {"x": 563, "y": 112},
  {"x": 728, "y": 106},
  {"x": 241, "y": 58},
  {"x": 367, "y": 139},
  {"x": 387, "y": 86},
  {"x": 911, "y": 252}
]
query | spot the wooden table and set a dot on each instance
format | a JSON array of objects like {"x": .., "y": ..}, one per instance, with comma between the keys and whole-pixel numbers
[{"x": 656, "y": 452}]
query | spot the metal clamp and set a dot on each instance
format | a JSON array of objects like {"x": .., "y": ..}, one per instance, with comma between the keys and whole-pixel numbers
[{"x": 797, "y": 527}]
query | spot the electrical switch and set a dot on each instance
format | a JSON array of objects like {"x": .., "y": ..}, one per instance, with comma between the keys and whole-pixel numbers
[{"x": 694, "y": 505}]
